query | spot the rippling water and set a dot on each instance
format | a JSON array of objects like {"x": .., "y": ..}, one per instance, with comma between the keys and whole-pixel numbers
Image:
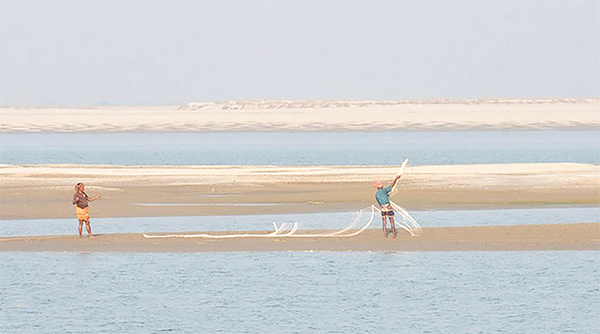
[
  {"x": 301, "y": 292},
  {"x": 303, "y": 148}
]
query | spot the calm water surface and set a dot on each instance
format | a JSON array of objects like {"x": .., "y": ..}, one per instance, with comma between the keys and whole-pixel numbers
[
  {"x": 302, "y": 148},
  {"x": 335, "y": 220},
  {"x": 301, "y": 292}
]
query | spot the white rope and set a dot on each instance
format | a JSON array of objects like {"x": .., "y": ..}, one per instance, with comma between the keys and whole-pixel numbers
[
  {"x": 337, "y": 234},
  {"x": 400, "y": 172},
  {"x": 408, "y": 223},
  {"x": 351, "y": 226},
  {"x": 229, "y": 236},
  {"x": 294, "y": 229},
  {"x": 282, "y": 228},
  {"x": 290, "y": 234}
]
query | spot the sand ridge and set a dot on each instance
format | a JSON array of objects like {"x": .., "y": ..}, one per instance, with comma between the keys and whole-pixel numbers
[{"x": 311, "y": 116}]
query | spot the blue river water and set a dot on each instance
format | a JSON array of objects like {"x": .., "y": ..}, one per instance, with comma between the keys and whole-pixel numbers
[
  {"x": 302, "y": 148},
  {"x": 300, "y": 292}
]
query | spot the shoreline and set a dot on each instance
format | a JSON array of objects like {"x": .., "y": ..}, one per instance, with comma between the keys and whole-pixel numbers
[
  {"x": 563, "y": 237},
  {"x": 45, "y": 191}
]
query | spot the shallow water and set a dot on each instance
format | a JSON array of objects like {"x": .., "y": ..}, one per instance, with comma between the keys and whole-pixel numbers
[
  {"x": 301, "y": 292},
  {"x": 302, "y": 148},
  {"x": 335, "y": 220}
]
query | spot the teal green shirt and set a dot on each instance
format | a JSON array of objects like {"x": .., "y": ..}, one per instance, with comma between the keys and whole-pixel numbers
[{"x": 383, "y": 195}]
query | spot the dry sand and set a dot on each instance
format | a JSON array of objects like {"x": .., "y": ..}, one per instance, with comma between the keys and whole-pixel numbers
[
  {"x": 312, "y": 116},
  {"x": 45, "y": 191},
  {"x": 491, "y": 238}
]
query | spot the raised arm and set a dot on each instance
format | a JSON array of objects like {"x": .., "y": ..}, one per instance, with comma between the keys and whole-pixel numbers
[
  {"x": 396, "y": 180},
  {"x": 93, "y": 198}
]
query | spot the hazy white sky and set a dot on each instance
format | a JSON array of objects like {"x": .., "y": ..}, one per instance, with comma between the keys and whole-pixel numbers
[{"x": 133, "y": 52}]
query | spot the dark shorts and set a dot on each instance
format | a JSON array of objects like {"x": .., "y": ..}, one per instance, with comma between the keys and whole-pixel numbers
[{"x": 386, "y": 210}]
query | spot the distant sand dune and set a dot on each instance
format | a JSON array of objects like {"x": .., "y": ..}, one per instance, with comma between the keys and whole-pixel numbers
[
  {"x": 329, "y": 115},
  {"x": 328, "y": 104}
]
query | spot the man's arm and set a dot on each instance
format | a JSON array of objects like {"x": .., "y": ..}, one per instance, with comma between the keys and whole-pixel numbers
[{"x": 396, "y": 180}]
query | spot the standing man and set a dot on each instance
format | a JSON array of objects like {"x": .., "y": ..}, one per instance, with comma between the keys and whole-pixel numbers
[
  {"x": 80, "y": 200},
  {"x": 383, "y": 199}
]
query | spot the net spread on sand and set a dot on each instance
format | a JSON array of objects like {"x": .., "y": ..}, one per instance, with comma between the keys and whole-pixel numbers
[{"x": 289, "y": 230}]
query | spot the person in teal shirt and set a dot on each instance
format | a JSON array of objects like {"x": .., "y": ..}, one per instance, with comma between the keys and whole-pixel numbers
[{"x": 382, "y": 196}]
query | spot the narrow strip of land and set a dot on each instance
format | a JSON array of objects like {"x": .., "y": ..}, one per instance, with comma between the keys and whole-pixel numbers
[
  {"x": 577, "y": 236},
  {"x": 45, "y": 191},
  {"x": 310, "y": 116}
]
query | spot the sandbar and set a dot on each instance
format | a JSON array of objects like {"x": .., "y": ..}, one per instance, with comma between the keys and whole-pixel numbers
[
  {"x": 576, "y": 236},
  {"x": 45, "y": 191}
]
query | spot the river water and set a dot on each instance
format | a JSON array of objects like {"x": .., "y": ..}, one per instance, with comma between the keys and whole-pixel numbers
[
  {"x": 302, "y": 148},
  {"x": 301, "y": 292}
]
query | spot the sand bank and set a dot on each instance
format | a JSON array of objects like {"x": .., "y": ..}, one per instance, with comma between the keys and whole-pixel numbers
[
  {"x": 582, "y": 236},
  {"x": 45, "y": 191},
  {"x": 312, "y": 116}
]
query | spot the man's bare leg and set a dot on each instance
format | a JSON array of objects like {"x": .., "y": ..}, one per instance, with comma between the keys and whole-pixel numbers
[
  {"x": 88, "y": 228},
  {"x": 80, "y": 228},
  {"x": 384, "y": 227},
  {"x": 393, "y": 226}
]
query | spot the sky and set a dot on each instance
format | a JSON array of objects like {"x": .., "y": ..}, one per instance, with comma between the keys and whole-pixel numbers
[{"x": 170, "y": 52}]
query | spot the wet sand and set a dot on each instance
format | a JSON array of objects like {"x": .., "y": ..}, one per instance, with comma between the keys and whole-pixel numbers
[
  {"x": 577, "y": 236},
  {"x": 45, "y": 191}
]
